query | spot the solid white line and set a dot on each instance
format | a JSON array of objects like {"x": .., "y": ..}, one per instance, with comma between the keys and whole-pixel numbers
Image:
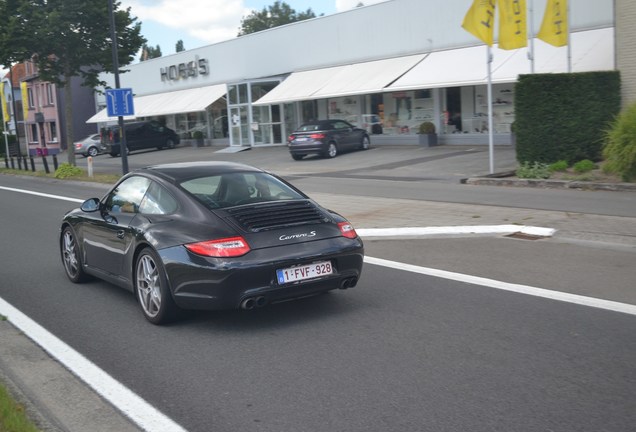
[
  {"x": 59, "y": 197},
  {"x": 476, "y": 229},
  {"x": 129, "y": 403},
  {"x": 522, "y": 289}
]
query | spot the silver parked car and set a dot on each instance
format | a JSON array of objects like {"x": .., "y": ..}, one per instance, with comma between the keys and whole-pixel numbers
[{"x": 90, "y": 146}]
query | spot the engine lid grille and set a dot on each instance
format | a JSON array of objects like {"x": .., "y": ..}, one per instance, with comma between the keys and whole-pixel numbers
[{"x": 268, "y": 216}]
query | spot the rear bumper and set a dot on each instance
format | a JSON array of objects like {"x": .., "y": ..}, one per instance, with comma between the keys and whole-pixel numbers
[
  {"x": 310, "y": 148},
  {"x": 210, "y": 284}
]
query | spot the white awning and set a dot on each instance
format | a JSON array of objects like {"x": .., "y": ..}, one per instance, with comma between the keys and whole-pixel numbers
[
  {"x": 175, "y": 102},
  {"x": 368, "y": 77},
  {"x": 299, "y": 86},
  {"x": 353, "y": 79},
  {"x": 592, "y": 50}
]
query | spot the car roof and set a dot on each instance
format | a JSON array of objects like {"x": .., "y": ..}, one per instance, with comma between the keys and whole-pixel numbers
[{"x": 179, "y": 172}]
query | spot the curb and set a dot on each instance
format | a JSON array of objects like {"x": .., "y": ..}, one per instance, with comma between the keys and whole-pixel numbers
[{"x": 551, "y": 184}]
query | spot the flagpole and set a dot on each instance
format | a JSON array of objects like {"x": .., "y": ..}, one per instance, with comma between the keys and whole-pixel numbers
[
  {"x": 569, "y": 42},
  {"x": 531, "y": 26},
  {"x": 490, "y": 122}
]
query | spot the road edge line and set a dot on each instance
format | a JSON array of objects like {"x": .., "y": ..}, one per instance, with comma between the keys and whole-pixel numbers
[{"x": 122, "y": 398}]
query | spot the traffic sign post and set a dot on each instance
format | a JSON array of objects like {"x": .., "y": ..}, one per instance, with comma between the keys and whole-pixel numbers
[{"x": 119, "y": 102}]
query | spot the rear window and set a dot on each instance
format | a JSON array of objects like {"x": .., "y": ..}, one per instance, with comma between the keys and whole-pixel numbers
[
  {"x": 232, "y": 189},
  {"x": 310, "y": 127}
]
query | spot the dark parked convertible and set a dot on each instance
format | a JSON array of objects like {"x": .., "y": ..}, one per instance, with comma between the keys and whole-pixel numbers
[
  {"x": 326, "y": 138},
  {"x": 209, "y": 235}
]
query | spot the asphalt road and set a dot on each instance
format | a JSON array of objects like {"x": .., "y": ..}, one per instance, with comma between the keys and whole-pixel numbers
[{"x": 400, "y": 352}]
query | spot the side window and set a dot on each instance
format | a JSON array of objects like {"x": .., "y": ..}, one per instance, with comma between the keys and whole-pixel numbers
[
  {"x": 158, "y": 201},
  {"x": 127, "y": 197}
]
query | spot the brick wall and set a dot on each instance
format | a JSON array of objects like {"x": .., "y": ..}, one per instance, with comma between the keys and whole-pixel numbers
[{"x": 626, "y": 48}]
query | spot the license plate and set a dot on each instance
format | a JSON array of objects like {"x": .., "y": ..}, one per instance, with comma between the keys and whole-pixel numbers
[
  {"x": 302, "y": 139},
  {"x": 299, "y": 273}
]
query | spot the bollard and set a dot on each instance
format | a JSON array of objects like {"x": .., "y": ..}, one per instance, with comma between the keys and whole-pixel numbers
[
  {"x": 55, "y": 162},
  {"x": 6, "y": 161},
  {"x": 19, "y": 163},
  {"x": 46, "y": 165},
  {"x": 32, "y": 163},
  {"x": 26, "y": 165},
  {"x": 12, "y": 163},
  {"x": 90, "y": 166}
]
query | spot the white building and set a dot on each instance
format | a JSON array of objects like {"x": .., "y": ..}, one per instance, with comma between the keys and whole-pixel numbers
[{"x": 395, "y": 64}]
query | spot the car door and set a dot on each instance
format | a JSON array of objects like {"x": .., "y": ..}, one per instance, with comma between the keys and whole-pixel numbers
[
  {"x": 108, "y": 237},
  {"x": 345, "y": 134}
]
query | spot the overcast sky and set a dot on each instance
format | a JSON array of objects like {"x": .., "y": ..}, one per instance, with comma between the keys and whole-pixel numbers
[{"x": 203, "y": 22}]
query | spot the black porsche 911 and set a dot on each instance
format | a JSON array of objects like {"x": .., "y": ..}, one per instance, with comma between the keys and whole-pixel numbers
[{"x": 209, "y": 235}]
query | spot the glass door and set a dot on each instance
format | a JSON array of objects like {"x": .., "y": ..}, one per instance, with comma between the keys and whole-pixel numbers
[{"x": 239, "y": 134}]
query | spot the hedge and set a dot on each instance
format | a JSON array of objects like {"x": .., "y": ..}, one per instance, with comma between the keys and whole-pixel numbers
[{"x": 564, "y": 116}]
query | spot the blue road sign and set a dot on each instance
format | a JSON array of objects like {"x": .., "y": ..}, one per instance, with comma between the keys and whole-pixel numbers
[{"x": 119, "y": 102}]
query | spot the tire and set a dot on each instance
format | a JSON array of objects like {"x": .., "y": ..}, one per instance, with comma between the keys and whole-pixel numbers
[
  {"x": 332, "y": 151},
  {"x": 71, "y": 257},
  {"x": 365, "y": 144},
  {"x": 113, "y": 154},
  {"x": 297, "y": 156},
  {"x": 92, "y": 151},
  {"x": 170, "y": 144},
  {"x": 151, "y": 288}
]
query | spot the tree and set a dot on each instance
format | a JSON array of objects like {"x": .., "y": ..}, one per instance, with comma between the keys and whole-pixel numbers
[
  {"x": 179, "y": 46},
  {"x": 67, "y": 39},
  {"x": 148, "y": 52},
  {"x": 278, "y": 14}
]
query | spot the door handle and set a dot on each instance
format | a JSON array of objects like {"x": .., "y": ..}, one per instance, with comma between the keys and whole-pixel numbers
[{"x": 120, "y": 234}]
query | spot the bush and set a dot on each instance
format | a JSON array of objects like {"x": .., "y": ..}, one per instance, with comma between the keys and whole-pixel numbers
[
  {"x": 584, "y": 166},
  {"x": 558, "y": 166},
  {"x": 535, "y": 170},
  {"x": 197, "y": 135},
  {"x": 563, "y": 116},
  {"x": 620, "y": 145},
  {"x": 67, "y": 170},
  {"x": 426, "y": 128}
]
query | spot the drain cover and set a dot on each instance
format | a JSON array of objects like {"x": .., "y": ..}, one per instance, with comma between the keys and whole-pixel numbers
[{"x": 523, "y": 236}]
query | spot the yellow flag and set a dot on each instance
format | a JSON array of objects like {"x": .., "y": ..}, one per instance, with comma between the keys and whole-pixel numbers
[
  {"x": 5, "y": 113},
  {"x": 480, "y": 20},
  {"x": 513, "y": 30},
  {"x": 554, "y": 28},
  {"x": 25, "y": 99}
]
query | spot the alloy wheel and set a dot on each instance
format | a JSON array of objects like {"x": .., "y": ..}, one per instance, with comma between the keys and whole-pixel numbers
[
  {"x": 149, "y": 286},
  {"x": 70, "y": 254}
]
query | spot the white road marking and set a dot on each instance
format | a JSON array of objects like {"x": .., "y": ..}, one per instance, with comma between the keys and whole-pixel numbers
[
  {"x": 28, "y": 192},
  {"x": 522, "y": 289},
  {"x": 476, "y": 229},
  {"x": 129, "y": 403}
]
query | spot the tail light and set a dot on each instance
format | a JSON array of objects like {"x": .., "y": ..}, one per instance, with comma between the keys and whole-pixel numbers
[
  {"x": 78, "y": 145},
  {"x": 291, "y": 138},
  {"x": 347, "y": 230},
  {"x": 221, "y": 248},
  {"x": 317, "y": 136}
]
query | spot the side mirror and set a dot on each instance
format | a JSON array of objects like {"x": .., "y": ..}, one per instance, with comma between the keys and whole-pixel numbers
[{"x": 90, "y": 205}]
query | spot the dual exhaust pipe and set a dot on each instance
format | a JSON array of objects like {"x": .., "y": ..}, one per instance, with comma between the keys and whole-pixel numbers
[
  {"x": 253, "y": 302},
  {"x": 348, "y": 283},
  {"x": 260, "y": 301}
]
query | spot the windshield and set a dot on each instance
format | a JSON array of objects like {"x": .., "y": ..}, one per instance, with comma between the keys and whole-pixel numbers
[{"x": 231, "y": 189}]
